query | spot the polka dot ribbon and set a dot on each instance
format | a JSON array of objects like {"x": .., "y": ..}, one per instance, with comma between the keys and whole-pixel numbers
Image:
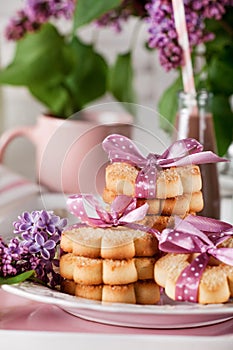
[
  {"x": 196, "y": 235},
  {"x": 180, "y": 153},
  {"x": 123, "y": 212}
]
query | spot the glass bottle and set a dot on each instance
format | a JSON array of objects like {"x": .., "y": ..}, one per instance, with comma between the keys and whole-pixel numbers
[{"x": 194, "y": 119}]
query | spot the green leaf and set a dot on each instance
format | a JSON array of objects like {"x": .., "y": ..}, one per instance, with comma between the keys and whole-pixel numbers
[
  {"x": 222, "y": 31},
  {"x": 89, "y": 10},
  {"x": 222, "y": 37},
  {"x": 220, "y": 72},
  {"x": 223, "y": 122},
  {"x": 121, "y": 78},
  {"x": 87, "y": 79},
  {"x": 39, "y": 57},
  {"x": 54, "y": 96},
  {"x": 18, "y": 278},
  {"x": 41, "y": 64},
  {"x": 168, "y": 105}
]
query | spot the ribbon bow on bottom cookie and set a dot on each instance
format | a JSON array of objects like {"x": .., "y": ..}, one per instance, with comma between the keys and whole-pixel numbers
[
  {"x": 181, "y": 153},
  {"x": 196, "y": 235}
]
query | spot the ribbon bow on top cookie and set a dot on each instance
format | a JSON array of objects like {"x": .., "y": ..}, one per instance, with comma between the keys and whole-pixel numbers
[{"x": 181, "y": 153}]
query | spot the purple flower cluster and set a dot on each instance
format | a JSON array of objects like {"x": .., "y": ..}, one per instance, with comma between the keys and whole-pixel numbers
[
  {"x": 35, "y": 247},
  {"x": 40, "y": 231},
  {"x": 163, "y": 35},
  {"x": 35, "y": 13},
  {"x": 15, "y": 258},
  {"x": 116, "y": 17}
]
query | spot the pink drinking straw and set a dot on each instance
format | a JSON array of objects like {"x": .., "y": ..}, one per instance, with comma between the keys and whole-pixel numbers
[{"x": 181, "y": 28}]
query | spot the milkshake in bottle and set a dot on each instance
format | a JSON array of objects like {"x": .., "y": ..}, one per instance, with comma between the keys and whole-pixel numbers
[{"x": 195, "y": 120}]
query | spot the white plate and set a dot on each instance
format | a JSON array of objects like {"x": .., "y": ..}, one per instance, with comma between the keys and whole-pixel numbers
[{"x": 168, "y": 314}]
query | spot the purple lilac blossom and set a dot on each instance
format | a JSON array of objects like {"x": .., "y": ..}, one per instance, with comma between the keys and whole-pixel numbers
[
  {"x": 162, "y": 30},
  {"x": 117, "y": 17},
  {"x": 15, "y": 258},
  {"x": 46, "y": 272},
  {"x": 42, "y": 245},
  {"x": 35, "y": 13},
  {"x": 42, "y": 10},
  {"x": 43, "y": 221},
  {"x": 35, "y": 247},
  {"x": 39, "y": 10},
  {"x": 19, "y": 25}
]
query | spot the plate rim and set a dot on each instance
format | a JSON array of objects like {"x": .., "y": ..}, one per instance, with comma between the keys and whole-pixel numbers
[{"x": 63, "y": 300}]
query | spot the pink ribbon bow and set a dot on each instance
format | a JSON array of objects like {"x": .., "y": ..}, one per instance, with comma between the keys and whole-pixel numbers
[
  {"x": 180, "y": 153},
  {"x": 123, "y": 212},
  {"x": 196, "y": 235}
]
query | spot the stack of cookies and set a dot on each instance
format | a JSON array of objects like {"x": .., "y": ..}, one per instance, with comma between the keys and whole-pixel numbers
[
  {"x": 113, "y": 264},
  {"x": 110, "y": 259},
  {"x": 178, "y": 191}
]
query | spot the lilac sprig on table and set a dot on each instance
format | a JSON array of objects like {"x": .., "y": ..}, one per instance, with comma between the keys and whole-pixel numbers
[{"x": 33, "y": 252}]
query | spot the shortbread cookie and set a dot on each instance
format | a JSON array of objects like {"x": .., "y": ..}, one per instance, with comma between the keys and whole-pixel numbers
[
  {"x": 105, "y": 271},
  {"x": 119, "y": 294},
  {"x": 190, "y": 177},
  {"x": 158, "y": 222},
  {"x": 110, "y": 243},
  {"x": 82, "y": 290},
  {"x": 147, "y": 292},
  {"x": 179, "y": 205},
  {"x": 171, "y": 206},
  {"x": 196, "y": 202},
  {"x": 141, "y": 292},
  {"x": 216, "y": 283},
  {"x": 120, "y": 178}
]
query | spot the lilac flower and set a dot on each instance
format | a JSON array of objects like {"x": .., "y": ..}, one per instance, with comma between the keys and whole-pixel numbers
[
  {"x": 43, "y": 10},
  {"x": 63, "y": 8},
  {"x": 40, "y": 232},
  {"x": 118, "y": 16},
  {"x": 46, "y": 272},
  {"x": 163, "y": 32},
  {"x": 20, "y": 25},
  {"x": 38, "y": 10},
  {"x": 48, "y": 222},
  {"x": 15, "y": 250},
  {"x": 13, "y": 258},
  {"x": 35, "y": 13},
  {"x": 35, "y": 247},
  {"x": 43, "y": 221},
  {"x": 25, "y": 222},
  {"x": 42, "y": 245},
  {"x": 163, "y": 35}
]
